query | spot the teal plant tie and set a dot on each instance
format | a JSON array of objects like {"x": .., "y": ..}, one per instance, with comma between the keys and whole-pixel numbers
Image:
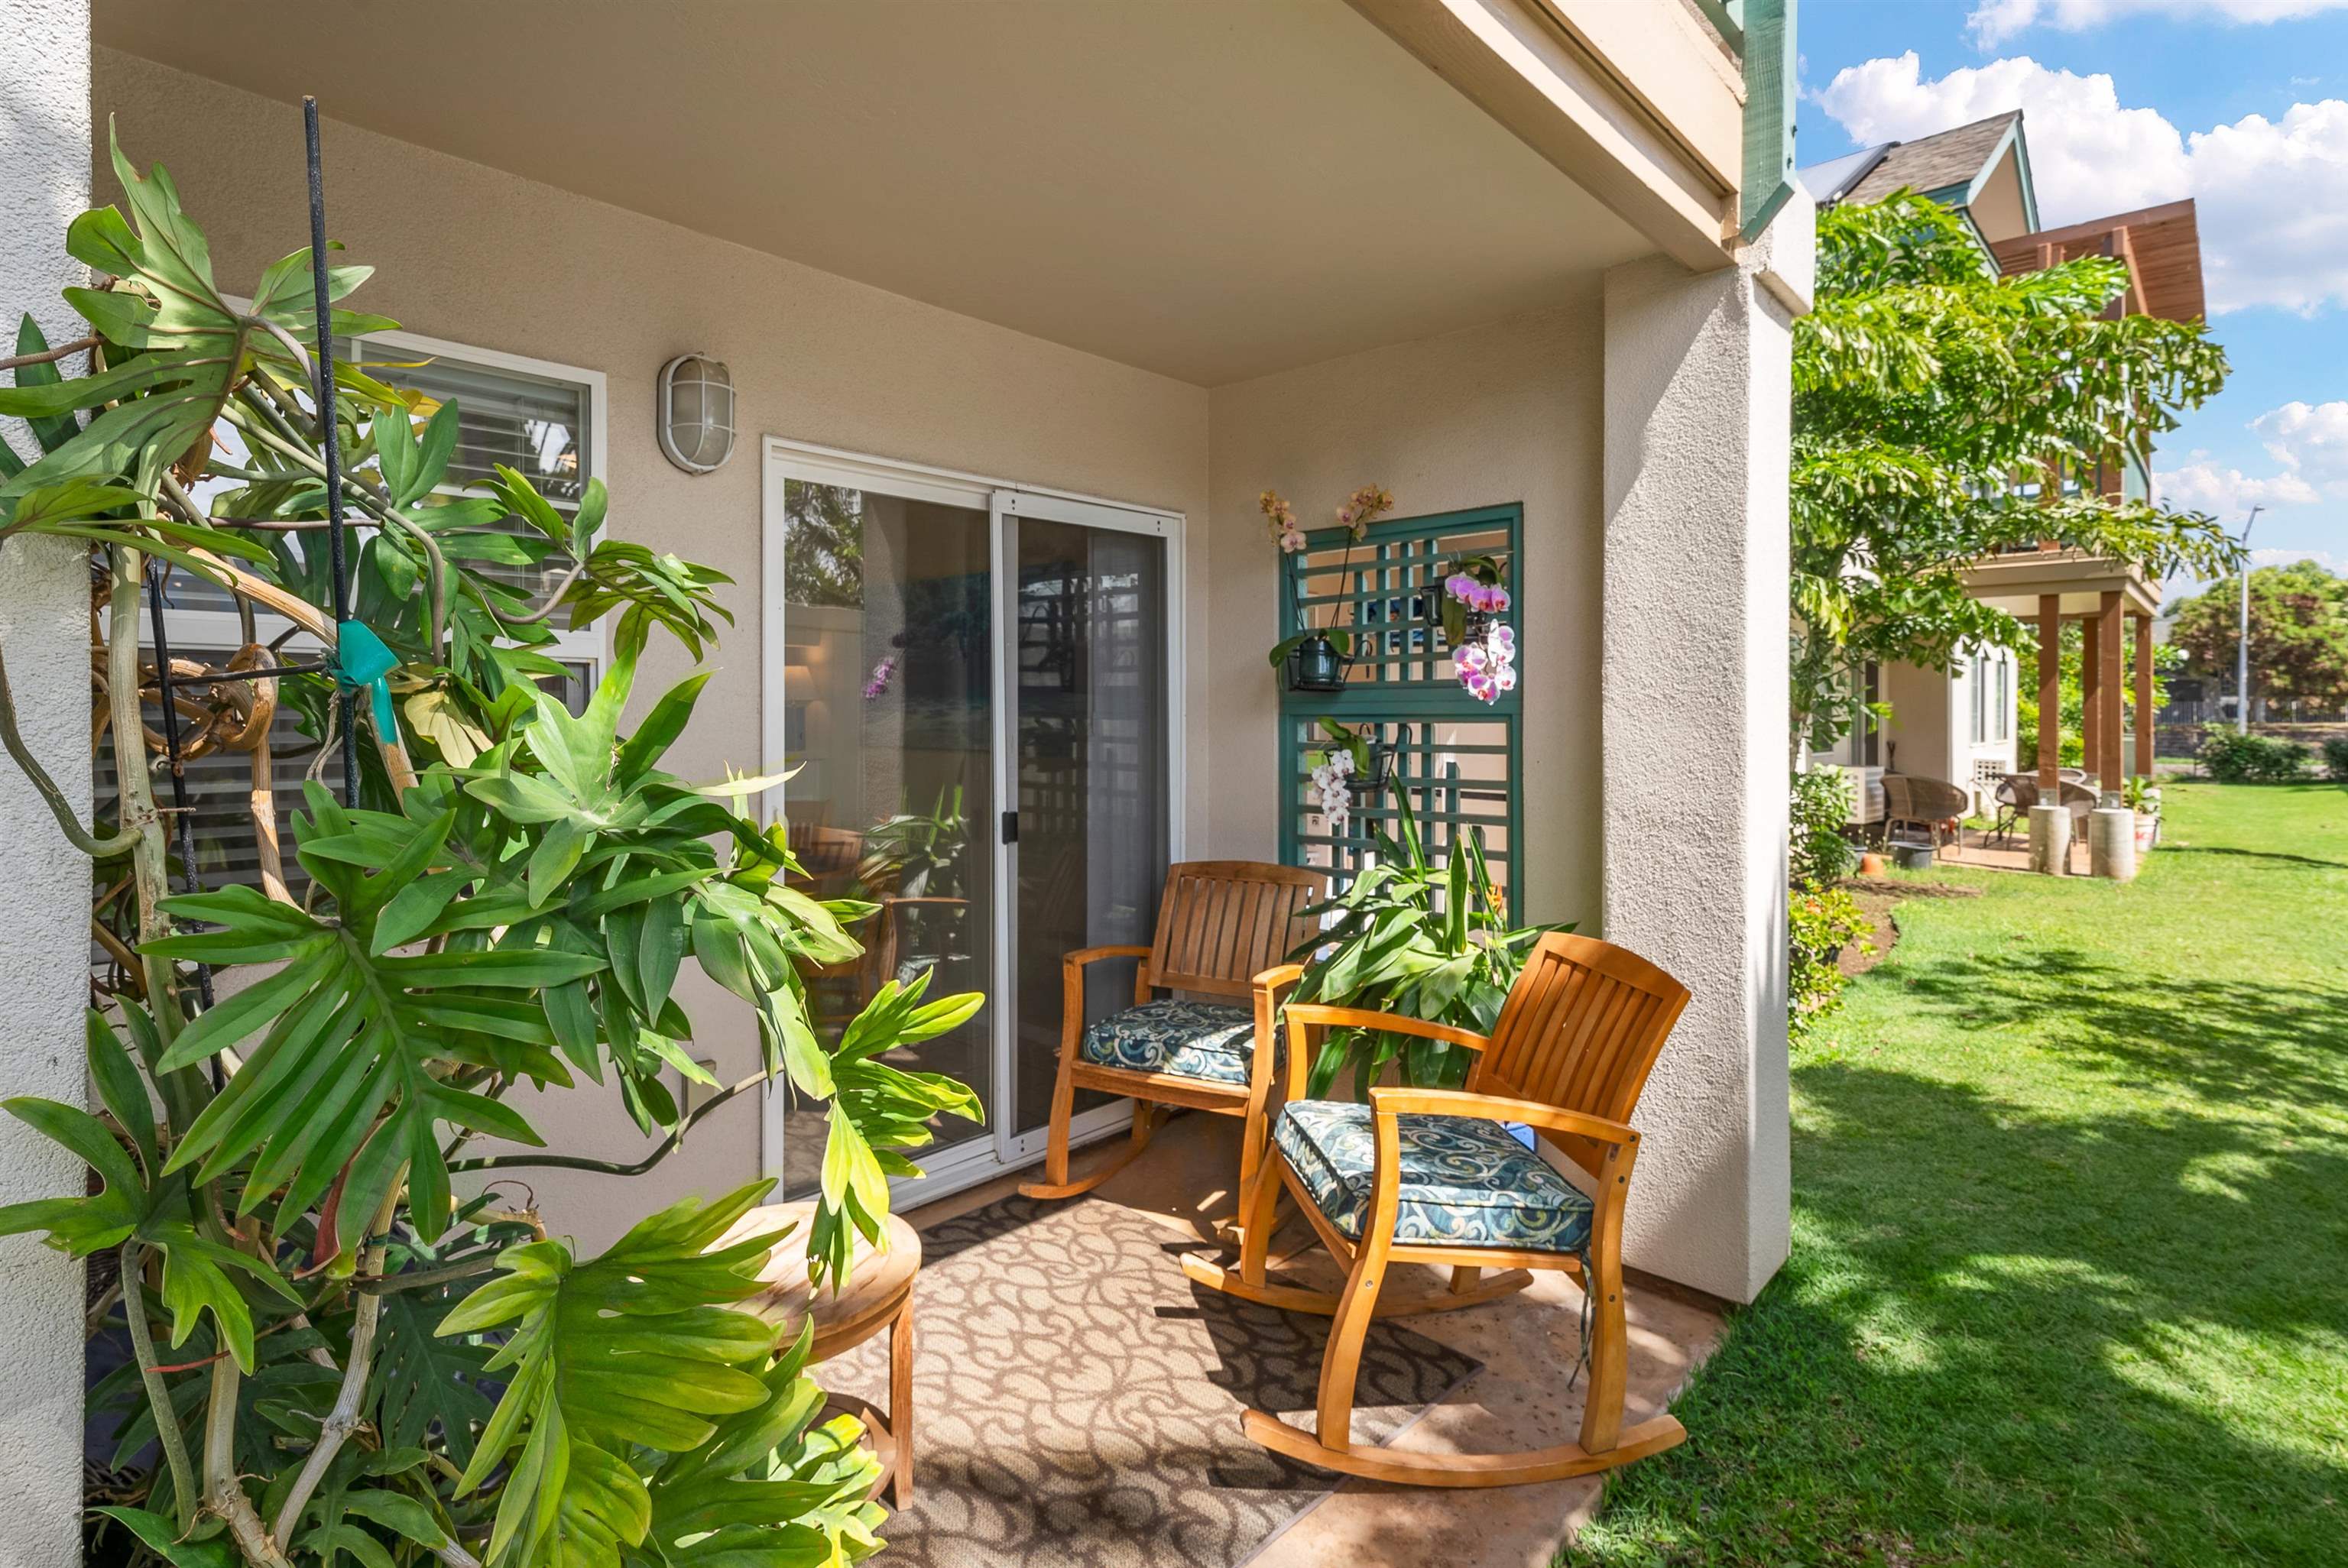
[{"x": 361, "y": 660}]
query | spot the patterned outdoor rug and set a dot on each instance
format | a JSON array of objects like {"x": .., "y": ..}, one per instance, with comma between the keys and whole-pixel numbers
[{"x": 1078, "y": 1398}]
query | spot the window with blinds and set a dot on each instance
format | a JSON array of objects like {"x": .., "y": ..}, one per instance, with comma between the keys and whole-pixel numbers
[
  {"x": 536, "y": 423},
  {"x": 542, "y": 419}
]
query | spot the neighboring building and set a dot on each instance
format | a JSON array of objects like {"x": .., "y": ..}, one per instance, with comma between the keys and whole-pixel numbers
[
  {"x": 1039, "y": 297},
  {"x": 1960, "y": 724}
]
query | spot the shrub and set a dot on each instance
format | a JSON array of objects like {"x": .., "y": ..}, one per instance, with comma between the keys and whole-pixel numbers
[
  {"x": 2070, "y": 753},
  {"x": 1820, "y": 923},
  {"x": 1817, "y": 852},
  {"x": 2335, "y": 757},
  {"x": 2234, "y": 758}
]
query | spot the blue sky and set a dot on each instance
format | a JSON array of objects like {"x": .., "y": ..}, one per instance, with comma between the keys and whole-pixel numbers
[{"x": 2241, "y": 104}]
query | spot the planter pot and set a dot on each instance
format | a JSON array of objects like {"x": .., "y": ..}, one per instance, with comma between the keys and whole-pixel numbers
[
  {"x": 1914, "y": 856},
  {"x": 1871, "y": 863},
  {"x": 2148, "y": 831},
  {"x": 1315, "y": 665}
]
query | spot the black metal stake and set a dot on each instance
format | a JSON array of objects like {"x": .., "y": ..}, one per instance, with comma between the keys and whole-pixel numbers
[
  {"x": 330, "y": 432},
  {"x": 183, "y": 819}
]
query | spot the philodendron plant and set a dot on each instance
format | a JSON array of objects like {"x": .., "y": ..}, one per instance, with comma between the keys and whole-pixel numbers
[
  {"x": 1411, "y": 937},
  {"x": 342, "y": 1347}
]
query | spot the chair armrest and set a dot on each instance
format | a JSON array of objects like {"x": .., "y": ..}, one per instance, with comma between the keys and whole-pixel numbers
[
  {"x": 1278, "y": 976},
  {"x": 1396, "y": 1023},
  {"x": 1393, "y": 1100},
  {"x": 1084, "y": 955}
]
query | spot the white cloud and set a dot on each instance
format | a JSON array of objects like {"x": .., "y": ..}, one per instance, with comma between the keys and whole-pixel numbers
[
  {"x": 2228, "y": 494},
  {"x": 2088, "y": 155},
  {"x": 1992, "y": 22},
  {"x": 2310, "y": 442},
  {"x": 2272, "y": 194}
]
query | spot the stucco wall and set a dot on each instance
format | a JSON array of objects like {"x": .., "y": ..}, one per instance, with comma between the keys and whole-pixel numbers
[
  {"x": 44, "y": 899},
  {"x": 1508, "y": 412},
  {"x": 1927, "y": 711},
  {"x": 478, "y": 257},
  {"x": 1698, "y": 409}
]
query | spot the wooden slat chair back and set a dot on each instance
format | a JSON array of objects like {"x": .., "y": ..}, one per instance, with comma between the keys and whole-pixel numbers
[
  {"x": 1567, "y": 1057},
  {"x": 1225, "y": 928},
  {"x": 1223, "y": 922},
  {"x": 1580, "y": 1030}
]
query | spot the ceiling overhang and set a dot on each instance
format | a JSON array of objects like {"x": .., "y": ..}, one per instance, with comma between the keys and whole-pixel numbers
[{"x": 1213, "y": 189}]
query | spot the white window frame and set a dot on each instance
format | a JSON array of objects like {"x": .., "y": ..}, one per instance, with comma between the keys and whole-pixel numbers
[{"x": 211, "y": 628}]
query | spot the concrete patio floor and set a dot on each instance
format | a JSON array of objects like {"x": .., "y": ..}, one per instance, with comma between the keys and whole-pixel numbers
[{"x": 1528, "y": 1343}]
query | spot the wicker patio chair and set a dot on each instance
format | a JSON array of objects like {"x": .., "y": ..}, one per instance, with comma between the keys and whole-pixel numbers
[
  {"x": 2015, "y": 796},
  {"x": 1926, "y": 803},
  {"x": 1436, "y": 1176}
]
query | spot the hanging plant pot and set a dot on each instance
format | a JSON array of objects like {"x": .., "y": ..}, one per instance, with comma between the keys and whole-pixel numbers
[
  {"x": 1374, "y": 778},
  {"x": 1315, "y": 664}
]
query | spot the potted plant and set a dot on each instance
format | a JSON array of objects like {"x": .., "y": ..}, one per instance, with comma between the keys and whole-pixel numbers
[
  {"x": 2142, "y": 797},
  {"x": 1317, "y": 658},
  {"x": 1483, "y": 646},
  {"x": 1408, "y": 936},
  {"x": 1357, "y": 763}
]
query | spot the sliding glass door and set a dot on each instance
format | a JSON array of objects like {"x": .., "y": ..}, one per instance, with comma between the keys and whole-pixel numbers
[
  {"x": 975, "y": 686},
  {"x": 889, "y": 717},
  {"x": 1089, "y": 703}
]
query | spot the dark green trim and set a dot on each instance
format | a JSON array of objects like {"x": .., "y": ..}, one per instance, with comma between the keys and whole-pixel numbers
[{"x": 1771, "y": 82}]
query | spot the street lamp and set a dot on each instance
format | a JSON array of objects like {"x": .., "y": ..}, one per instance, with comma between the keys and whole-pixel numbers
[{"x": 2242, "y": 644}]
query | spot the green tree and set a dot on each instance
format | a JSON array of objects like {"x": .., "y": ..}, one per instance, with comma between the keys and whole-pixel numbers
[
  {"x": 2299, "y": 634},
  {"x": 1930, "y": 396}
]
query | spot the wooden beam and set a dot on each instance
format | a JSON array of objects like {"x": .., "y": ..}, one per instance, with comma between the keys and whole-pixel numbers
[
  {"x": 2050, "y": 697},
  {"x": 2148, "y": 722},
  {"x": 2091, "y": 690},
  {"x": 2110, "y": 634}
]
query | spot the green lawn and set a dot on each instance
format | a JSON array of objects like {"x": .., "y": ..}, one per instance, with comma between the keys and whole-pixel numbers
[{"x": 2070, "y": 1272}]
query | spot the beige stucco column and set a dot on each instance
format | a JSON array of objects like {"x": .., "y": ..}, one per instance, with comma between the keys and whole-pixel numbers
[
  {"x": 1694, "y": 704},
  {"x": 45, "y": 152}
]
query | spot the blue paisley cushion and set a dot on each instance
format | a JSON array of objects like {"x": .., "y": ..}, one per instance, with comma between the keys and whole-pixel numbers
[
  {"x": 1189, "y": 1040},
  {"x": 1465, "y": 1182}
]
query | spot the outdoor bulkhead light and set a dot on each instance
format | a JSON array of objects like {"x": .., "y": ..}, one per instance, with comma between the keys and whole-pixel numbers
[{"x": 696, "y": 412}]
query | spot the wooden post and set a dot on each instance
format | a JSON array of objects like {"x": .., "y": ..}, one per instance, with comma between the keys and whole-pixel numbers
[
  {"x": 2148, "y": 725},
  {"x": 2091, "y": 693},
  {"x": 2050, "y": 697},
  {"x": 2108, "y": 634}
]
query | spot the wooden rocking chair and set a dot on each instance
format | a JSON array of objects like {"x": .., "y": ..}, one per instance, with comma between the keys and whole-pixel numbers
[
  {"x": 1433, "y": 1176},
  {"x": 1224, "y": 927}
]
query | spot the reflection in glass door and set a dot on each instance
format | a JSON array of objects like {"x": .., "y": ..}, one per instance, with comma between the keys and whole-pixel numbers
[
  {"x": 976, "y": 685},
  {"x": 889, "y": 714},
  {"x": 1088, "y": 675}
]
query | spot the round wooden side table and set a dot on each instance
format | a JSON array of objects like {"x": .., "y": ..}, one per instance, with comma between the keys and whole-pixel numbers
[{"x": 879, "y": 1295}]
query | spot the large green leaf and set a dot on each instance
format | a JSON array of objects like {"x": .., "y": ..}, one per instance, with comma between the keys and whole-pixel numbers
[
  {"x": 634, "y": 1347},
  {"x": 180, "y": 346},
  {"x": 769, "y": 1486},
  {"x": 346, "y": 1074}
]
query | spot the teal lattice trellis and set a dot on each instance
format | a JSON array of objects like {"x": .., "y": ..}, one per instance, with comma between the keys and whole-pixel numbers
[{"x": 1457, "y": 758}]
